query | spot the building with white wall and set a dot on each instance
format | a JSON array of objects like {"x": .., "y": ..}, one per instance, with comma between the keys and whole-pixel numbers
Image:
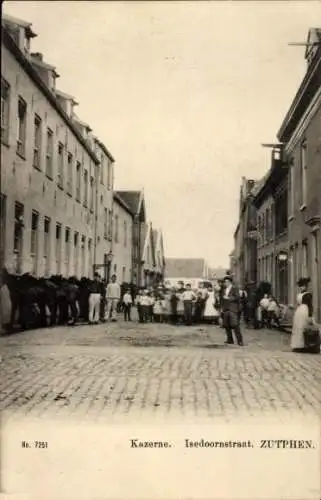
[
  {"x": 122, "y": 240},
  {"x": 56, "y": 177}
]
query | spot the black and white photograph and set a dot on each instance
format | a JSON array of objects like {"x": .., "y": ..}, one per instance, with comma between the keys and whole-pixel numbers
[{"x": 160, "y": 250}]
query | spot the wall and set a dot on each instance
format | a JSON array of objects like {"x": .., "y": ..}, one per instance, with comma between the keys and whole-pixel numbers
[
  {"x": 122, "y": 248},
  {"x": 20, "y": 181}
]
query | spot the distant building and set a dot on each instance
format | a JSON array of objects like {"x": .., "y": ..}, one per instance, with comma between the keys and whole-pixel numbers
[
  {"x": 122, "y": 240},
  {"x": 245, "y": 236},
  {"x": 136, "y": 203},
  {"x": 186, "y": 268}
]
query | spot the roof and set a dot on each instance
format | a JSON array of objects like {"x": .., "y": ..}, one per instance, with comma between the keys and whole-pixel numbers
[
  {"x": 19, "y": 22},
  {"x": 132, "y": 199},
  {"x": 184, "y": 268},
  {"x": 122, "y": 203}
]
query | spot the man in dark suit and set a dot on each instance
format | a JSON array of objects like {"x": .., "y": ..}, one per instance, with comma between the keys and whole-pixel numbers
[{"x": 230, "y": 309}]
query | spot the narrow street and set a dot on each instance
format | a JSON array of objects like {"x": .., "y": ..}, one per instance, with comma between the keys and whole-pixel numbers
[{"x": 120, "y": 369}]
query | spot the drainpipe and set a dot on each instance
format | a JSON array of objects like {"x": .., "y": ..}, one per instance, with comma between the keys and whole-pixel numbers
[{"x": 96, "y": 216}]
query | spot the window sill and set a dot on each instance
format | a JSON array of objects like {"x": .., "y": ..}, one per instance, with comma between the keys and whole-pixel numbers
[
  {"x": 291, "y": 218},
  {"x": 77, "y": 200},
  {"x": 5, "y": 142},
  {"x": 69, "y": 194},
  {"x": 21, "y": 155},
  {"x": 37, "y": 167},
  {"x": 60, "y": 187},
  {"x": 49, "y": 176},
  {"x": 303, "y": 207}
]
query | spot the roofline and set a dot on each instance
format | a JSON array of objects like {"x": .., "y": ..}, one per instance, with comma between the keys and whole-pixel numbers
[
  {"x": 122, "y": 203},
  {"x": 21, "y": 23},
  {"x": 311, "y": 72},
  {"x": 9, "y": 43},
  {"x": 104, "y": 148}
]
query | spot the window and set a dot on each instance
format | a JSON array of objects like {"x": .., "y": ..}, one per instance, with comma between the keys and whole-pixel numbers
[
  {"x": 60, "y": 174},
  {"x": 281, "y": 213},
  {"x": 49, "y": 151},
  {"x": 78, "y": 180},
  {"x": 90, "y": 262},
  {"x": 5, "y": 110},
  {"x": 102, "y": 169},
  {"x": 92, "y": 194},
  {"x": 76, "y": 253},
  {"x": 123, "y": 274},
  {"x": 125, "y": 233},
  {"x": 116, "y": 228},
  {"x": 109, "y": 175},
  {"x": 292, "y": 189},
  {"x": 86, "y": 188},
  {"x": 83, "y": 261},
  {"x": 22, "y": 125},
  {"x": 305, "y": 259},
  {"x": 105, "y": 223},
  {"x": 46, "y": 243},
  {"x": 34, "y": 240},
  {"x": 69, "y": 173},
  {"x": 18, "y": 236},
  {"x": 303, "y": 171},
  {"x": 110, "y": 225},
  {"x": 37, "y": 142},
  {"x": 67, "y": 250},
  {"x": 58, "y": 247}
]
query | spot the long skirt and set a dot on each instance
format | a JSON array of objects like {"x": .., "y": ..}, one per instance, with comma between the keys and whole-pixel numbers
[
  {"x": 5, "y": 305},
  {"x": 300, "y": 321}
]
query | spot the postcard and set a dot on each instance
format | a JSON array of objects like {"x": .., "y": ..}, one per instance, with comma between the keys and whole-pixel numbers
[{"x": 160, "y": 250}]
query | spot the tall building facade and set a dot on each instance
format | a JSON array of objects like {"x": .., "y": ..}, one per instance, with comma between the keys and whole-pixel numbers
[
  {"x": 300, "y": 134},
  {"x": 54, "y": 177}
]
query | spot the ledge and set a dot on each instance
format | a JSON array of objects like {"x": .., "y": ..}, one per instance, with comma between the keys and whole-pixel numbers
[
  {"x": 303, "y": 207},
  {"x": 291, "y": 218}
]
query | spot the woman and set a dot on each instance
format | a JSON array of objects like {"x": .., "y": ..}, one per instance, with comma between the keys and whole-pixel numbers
[
  {"x": 211, "y": 314},
  {"x": 302, "y": 319}
]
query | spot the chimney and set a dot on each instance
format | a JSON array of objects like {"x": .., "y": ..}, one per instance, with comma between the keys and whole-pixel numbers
[{"x": 37, "y": 55}]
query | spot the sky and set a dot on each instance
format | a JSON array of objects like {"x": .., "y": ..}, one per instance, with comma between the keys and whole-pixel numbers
[{"x": 183, "y": 94}]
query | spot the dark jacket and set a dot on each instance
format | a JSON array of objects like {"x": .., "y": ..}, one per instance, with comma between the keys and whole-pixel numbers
[{"x": 232, "y": 302}]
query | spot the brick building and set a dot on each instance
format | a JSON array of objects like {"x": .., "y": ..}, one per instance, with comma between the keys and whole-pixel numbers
[
  {"x": 51, "y": 168},
  {"x": 301, "y": 135},
  {"x": 245, "y": 237},
  {"x": 271, "y": 202}
]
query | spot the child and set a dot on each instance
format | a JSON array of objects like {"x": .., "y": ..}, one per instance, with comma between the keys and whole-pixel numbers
[
  {"x": 145, "y": 307},
  {"x": 139, "y": 307},
  {"x": 158, "y": 310},
  {"x": 127, "y": 305}
]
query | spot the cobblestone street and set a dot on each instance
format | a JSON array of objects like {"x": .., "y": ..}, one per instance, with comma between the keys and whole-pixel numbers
[{"x": 119, "y": 369}]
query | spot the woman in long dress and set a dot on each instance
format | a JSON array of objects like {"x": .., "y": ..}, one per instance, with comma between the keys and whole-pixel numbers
[
  {"x": 302, "y": 316},
  {"x": 211, "y": 314}
]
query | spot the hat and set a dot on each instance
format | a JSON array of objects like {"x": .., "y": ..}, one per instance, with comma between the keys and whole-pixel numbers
[
  {"x": 228, "y": 277},
  {"x": 303, "y": 281}
]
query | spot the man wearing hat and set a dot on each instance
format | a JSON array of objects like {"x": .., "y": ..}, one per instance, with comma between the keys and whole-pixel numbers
[{"x": 230, "y": 309}]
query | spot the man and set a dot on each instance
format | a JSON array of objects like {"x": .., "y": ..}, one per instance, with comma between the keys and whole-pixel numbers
[
  {"x": 127, "y": 305},
  {"x": 94, "y": 300},
  {"x": 230, "y": 310},
  {"x": 113, "y": 297},
  {"x": 188, "y": 297}
]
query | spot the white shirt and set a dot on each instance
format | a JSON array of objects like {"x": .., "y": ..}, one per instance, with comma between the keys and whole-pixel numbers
[
  {"x": 227, "y": 290},
  {"x": 113, "y": 291},
  {"x": 188, "y": 295},
  {"x": 264, "y": 303},
  {"x": 127, "y": 299},
  {"x": 145, "y": 300}
]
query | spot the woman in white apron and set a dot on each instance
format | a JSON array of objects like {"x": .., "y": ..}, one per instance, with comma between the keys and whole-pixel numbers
[
  {"x": 302, "y": 316},
  {"x": 211, "y": 314}
]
